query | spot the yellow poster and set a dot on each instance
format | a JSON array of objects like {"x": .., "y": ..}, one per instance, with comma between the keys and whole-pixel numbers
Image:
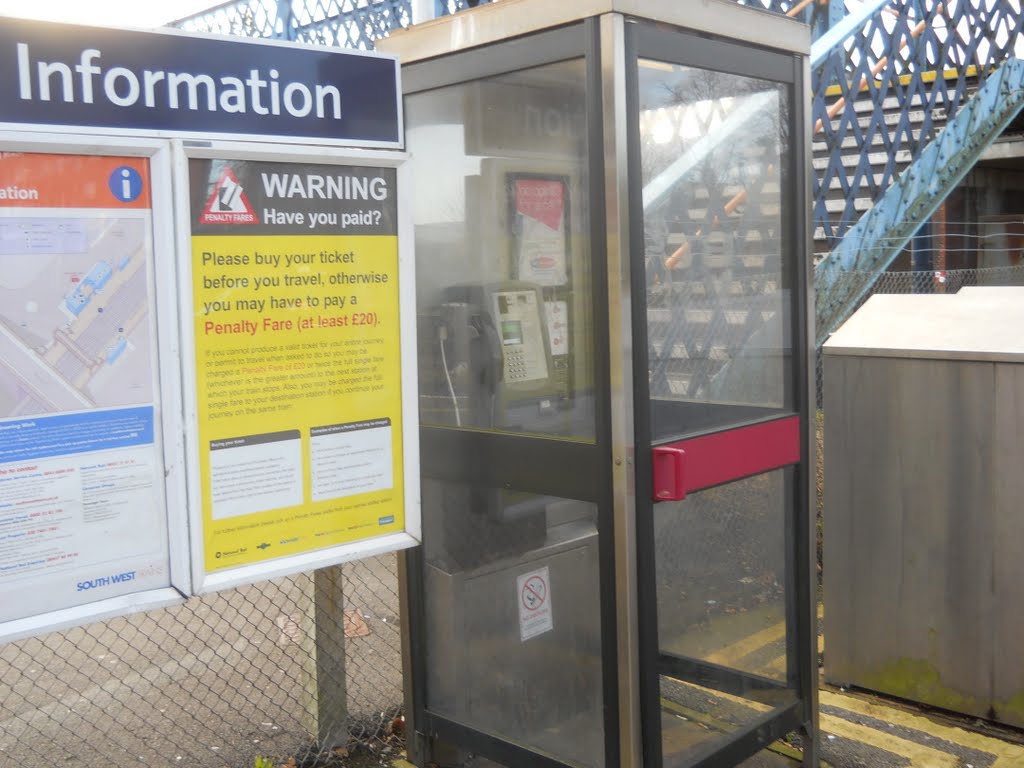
[{"x": 297, "y": 355}]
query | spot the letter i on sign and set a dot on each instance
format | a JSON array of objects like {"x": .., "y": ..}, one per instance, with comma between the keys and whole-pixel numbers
[{"x": 125, "y": 184}]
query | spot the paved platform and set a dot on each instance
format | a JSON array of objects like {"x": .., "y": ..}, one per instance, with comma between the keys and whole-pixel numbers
[
  {"x": 859, "y": 729},
  {"x": 864, "y": 731}
]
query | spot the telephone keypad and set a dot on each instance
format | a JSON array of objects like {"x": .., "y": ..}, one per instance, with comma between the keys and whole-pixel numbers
[
  {"x": 517, "y": 367},
  {"x": 520, "y": 324}
]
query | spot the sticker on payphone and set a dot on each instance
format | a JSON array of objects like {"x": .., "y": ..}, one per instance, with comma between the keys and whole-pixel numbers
[
  {"x": 533, "y": 593},
  {"x": 557, "y": 314}
]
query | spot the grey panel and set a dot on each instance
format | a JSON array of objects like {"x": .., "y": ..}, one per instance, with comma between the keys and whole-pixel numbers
[
  {"x": 974, "y": 325},
  {"x": 544, "y": 692},
  {"x": 909, "y": 528},
  {"x": 495, "y": 22},
  {"x": 1008, "y": 549}
]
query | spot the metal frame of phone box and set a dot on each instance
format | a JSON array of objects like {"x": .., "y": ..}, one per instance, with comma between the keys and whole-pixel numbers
[{"x": 175, "y": 444}]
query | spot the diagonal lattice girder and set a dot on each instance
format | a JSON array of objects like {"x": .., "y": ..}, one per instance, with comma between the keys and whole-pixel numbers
[{"x": 844, "y": 277}]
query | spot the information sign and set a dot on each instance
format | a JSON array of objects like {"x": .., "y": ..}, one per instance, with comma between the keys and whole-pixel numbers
[
  {"x": 127, "y": 81},
  {"x": 298, "y": 374},
  {"x": 82, "y": 513}
]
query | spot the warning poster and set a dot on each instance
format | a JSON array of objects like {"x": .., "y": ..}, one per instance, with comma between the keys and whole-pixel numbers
[{"x": 297, "y": 355}]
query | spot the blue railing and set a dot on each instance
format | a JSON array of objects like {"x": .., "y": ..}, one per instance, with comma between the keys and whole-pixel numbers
[
  {"x": 344, "y": 23},
  {"x": 886, "y": 78}
]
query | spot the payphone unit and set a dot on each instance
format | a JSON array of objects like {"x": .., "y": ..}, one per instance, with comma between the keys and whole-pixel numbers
[{"x": 495, "y": 355}]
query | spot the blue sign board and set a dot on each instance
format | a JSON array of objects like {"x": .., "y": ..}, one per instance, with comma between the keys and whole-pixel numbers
[{"x": 56, "y": 74}]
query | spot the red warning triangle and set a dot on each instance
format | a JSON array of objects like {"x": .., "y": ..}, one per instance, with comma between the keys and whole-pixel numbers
[{"x": 228, "y": 203}]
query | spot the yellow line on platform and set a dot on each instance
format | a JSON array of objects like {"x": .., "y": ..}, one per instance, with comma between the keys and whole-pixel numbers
[
  {"x": 919, "y": 755},
  {"x": 730, "y": 654},
  {"x": 757, "y": 706},
  {"x": 1007, "y": 755},
  {"x": 776, "y": 666}
]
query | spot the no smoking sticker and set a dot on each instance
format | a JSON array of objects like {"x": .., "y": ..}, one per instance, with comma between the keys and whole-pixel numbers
[{"x": 533, "y": 593}]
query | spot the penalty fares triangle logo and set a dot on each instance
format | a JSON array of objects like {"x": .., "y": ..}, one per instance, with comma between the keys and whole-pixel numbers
[{"x": 228, "y": 203}]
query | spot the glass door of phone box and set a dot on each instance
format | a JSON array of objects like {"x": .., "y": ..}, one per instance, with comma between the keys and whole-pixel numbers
[{"x": 612, "y": 292}]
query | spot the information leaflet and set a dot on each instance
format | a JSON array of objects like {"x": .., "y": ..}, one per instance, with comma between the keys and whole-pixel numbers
[
  {"x": 297, "y": 354},
  {"x": 82, "y": 515}
]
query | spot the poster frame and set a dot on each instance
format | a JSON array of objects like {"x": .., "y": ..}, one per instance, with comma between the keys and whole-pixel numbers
[
  {"x": 204, "y": 581},
  {"x": 168, "y": 442},
  {"x": 512, "y": 180}
]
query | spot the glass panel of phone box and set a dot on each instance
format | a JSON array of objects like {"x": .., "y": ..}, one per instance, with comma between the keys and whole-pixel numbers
[
  {"x": 719, "y": 273},
  {"x": 714, "y": 151},
  {"x": 505, "y": 344}
]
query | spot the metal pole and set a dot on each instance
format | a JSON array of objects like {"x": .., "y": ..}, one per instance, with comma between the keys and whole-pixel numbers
[
  {"x": 613, "y": 76},
  {"x": 284, "y": 29},
  {"x": 327, "y": 705},
  {"x": 922, "y": 260},
  {"x": 424, "y": 10}
]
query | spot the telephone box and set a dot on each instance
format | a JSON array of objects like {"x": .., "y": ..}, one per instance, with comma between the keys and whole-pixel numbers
[{"x": 611, "y": 229}]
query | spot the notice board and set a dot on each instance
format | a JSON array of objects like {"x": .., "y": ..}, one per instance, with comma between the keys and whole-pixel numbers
[
  {"x": 83, "y": 516},
  {"x": 301, "y": 447},
  {"x": 203, "y": 375}
]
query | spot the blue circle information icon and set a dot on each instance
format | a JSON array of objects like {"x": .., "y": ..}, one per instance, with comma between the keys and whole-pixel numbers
[{"x": 125, "y": 184}]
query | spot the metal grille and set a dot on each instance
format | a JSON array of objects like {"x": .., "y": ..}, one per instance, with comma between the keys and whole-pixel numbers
[
  {"x": 878, "y": 97},
  {"x": 218, "y": 681},
  {"x": 889, "y": 88},
  {"x": 340, "y": 23},
  {"x": 246, "y": 18},
  {"x": 448, "y": 7}
]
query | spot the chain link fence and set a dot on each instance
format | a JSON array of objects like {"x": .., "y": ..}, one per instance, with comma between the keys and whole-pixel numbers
[{"x": 243, "y": 677}]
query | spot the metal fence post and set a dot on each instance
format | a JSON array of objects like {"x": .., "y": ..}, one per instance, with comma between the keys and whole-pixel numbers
[
  {"x": 284, "y": 20},
  {"x": 424, "y": 10},
  {"x": 325, "y": 679}
]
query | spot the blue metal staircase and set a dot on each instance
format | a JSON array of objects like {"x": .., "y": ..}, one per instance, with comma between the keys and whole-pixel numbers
[
  {"x": 907, "y": 94},
  {"x": 845, "y": 276},
  {"x": 904, "y": 107}
]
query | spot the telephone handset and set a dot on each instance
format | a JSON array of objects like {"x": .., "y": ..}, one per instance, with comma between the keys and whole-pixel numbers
[
  {"x": 497, "y": 374},
  {"x": 495, "y": 353}
]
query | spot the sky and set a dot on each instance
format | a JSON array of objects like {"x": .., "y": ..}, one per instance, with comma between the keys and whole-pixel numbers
[{"x": 139, "y": 14}]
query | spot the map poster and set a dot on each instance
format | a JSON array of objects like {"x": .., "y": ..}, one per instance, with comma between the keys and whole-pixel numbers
[
  {"x": 82, "y": 516},
  {"x": 295, "y": 307}
]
